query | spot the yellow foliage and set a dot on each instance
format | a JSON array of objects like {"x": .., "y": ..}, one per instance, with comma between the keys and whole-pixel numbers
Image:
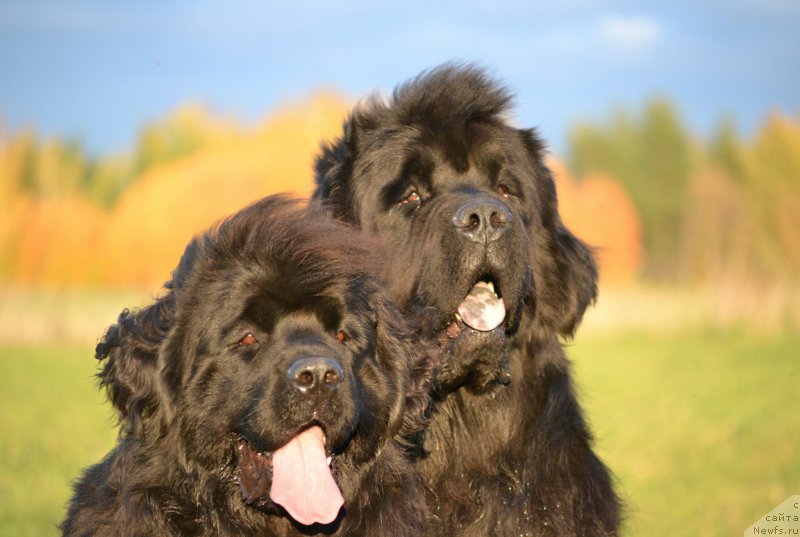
[
  {"x": 773, "y": 193},
  {"x": 55, "y": 242},
  {"x": 51, "y": 233},
  {"x": 14, "y": 151},
  {"x": 717, "y": 226},
  {"x": 70, "y": 241},
  {"x": 157, "y": 216}
]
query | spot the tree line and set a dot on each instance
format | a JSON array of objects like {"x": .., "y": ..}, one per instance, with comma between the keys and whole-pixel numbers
[
  {"x": 722, "y": 208},
  {"x": 666, "y": 205}
]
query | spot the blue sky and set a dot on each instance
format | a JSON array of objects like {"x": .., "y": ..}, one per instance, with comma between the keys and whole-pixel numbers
[{"x": 97, "y": 71}]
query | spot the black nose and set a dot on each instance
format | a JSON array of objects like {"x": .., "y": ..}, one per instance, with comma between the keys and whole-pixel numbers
[
  {"x": 316, "y": 376},
  {"x": 482, "y": 220}
]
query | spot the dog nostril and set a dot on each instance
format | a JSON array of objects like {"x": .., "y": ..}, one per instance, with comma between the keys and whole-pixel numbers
[
  {"x": 474, "y": 221},
  {"x": 332, "y": 377},
  {"x": 316, "y": 376},
  {"x": 498, "y": 219},
  {"x": 305, "y": 378}
]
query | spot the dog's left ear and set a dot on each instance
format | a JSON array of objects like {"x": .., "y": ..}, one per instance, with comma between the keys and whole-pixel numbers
[
  {"x": 570, "y": 271},
  {"x": 332, "y": 170},
  {"x": 577, "y": 277},
  {"x": 134, "y": 350},
  {"x": 129, "y": 352},
  {"x": 333, "y": 167}
]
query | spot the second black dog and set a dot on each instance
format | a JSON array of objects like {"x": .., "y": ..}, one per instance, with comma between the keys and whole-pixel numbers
[{"x": 268, "y": 392}]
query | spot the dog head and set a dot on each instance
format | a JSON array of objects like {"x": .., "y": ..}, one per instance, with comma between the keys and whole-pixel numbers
[
  {"x": 275, "y": 360},
  {"x": 469, "y": 214}
]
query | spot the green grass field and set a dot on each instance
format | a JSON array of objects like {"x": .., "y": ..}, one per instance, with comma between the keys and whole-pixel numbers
[
  {"x": 53, "y": 422},
  {"x": 701, "y": 429}
]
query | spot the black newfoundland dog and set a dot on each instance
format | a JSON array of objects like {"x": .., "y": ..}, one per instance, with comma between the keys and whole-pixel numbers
[
  {"x": 469, "y": 213},
  {"x": 271, "y": 391}
]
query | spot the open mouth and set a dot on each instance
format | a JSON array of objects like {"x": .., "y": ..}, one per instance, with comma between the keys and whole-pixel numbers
[
  {"x": 298, "y": 476},
  {"x": 483, "y": 310}
]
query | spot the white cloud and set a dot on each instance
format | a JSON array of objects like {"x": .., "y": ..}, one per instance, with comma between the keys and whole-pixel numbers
[{"x": 629, "y": 31}]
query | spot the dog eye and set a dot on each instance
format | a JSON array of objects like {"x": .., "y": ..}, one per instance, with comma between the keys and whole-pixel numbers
[
  {"x": 413, "y": 197},
  {"x": 503, "y": 191},
  {"x": 247, "y": 340},
  {"x": 341, "y": 336}
]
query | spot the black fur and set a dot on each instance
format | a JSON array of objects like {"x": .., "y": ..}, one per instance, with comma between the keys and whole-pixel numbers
[
  {"x": 190, "y": 389},
  {"x": 508, "y": 451}
]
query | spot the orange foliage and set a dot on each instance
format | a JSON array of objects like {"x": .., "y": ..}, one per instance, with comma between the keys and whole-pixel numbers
[
  {"x": 56, "y": 241},
  {"x": 70, "y": 241},
  {"x": 600, "y": 212},
  {"x": 158, "y": 215}
]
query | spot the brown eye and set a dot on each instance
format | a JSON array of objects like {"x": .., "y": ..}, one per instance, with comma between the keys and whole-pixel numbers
[
  {"x": 412, "y": 198},
  {"x": 341, "y": 336},
  {"x": 247, "y": 340},
  {"x": 503, "y": 191}
]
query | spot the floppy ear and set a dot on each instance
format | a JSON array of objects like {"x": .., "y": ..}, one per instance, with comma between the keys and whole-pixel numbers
[
  {"x": 130, "y": 350},
  {"x": 333, "y": 167},
  {"x": 576, "y": 275},
  {"x": 131, "y": 374},
  {"x": 569, "y": 271}
]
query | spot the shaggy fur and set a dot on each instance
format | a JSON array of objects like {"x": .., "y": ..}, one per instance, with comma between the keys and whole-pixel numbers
[
  {"x": 461, "y": 196},
  {"x": 202, "y": 373}
]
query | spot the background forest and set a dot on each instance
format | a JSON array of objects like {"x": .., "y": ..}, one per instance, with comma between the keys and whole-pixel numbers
[{"x": 662, "y": 206}]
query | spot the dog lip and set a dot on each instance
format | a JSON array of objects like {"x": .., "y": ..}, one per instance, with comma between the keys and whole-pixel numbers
[
  {"x": 253, "y": 471},
  {"x": 457, "y": 329},
  {"x": 255, "y": 444}
]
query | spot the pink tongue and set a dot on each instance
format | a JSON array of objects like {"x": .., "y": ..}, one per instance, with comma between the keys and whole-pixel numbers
[
  {"x": 482, "y": 309},
  {"x": 302, "y": 482}
]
